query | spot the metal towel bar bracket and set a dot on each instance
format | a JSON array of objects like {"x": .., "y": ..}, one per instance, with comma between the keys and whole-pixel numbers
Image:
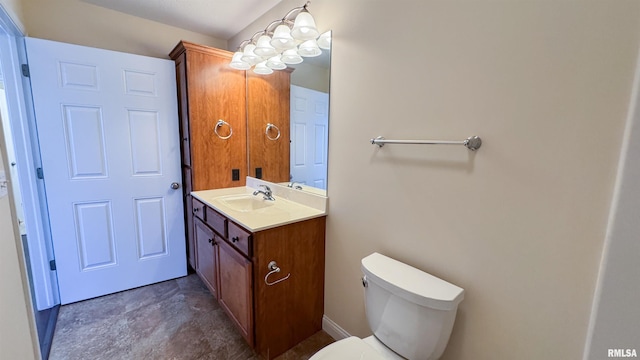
[
  {"x": 472, "y": 143},
  {"x": 273, "y": 267}
]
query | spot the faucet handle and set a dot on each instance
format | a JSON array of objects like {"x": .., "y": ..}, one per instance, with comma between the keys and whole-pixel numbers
[{"x": 265, "y": 187}]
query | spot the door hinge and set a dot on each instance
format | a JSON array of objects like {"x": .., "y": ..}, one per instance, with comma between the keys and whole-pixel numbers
[
  {"x": 52, "y": 265},
  {"x": 40, "y": 173},
  {"x": 25, "y": 70}
]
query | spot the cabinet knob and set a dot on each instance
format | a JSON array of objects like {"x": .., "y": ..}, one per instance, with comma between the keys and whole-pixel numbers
[
  {"x": 196, "y": 210},
  {"x": 185, "y": 139},
  {"x": 212, "y": 241},
  {"x": 235, "y": 239}
]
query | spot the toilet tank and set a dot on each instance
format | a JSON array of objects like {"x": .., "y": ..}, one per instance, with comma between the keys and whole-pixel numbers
[{"x": 408, "y": 310}]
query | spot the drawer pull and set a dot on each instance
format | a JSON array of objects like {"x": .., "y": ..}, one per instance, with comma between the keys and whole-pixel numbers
[
  {"x": 273, "y": 267},
  {"x": 196, "y": 210},
  {"x": 212, "y": 242},
  {"x": 235, "y": 239}
]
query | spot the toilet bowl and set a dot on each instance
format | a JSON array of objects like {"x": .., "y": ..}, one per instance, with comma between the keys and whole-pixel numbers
[{"x": 411, "y": 314}]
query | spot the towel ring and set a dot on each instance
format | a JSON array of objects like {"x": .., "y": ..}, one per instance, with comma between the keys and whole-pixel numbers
[
  {"x": 269, "y": 127},
  {"x": 273, "y": 266},
  {"x": 219, "y": 124}
]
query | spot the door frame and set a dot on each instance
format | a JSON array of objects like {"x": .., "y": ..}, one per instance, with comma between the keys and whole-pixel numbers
[
  {"x": 21, "y": 116},
  {"x": 17, "y": 91}
]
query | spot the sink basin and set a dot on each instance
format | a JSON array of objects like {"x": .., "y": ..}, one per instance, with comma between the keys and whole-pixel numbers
[{"x": 245, "y": 202}]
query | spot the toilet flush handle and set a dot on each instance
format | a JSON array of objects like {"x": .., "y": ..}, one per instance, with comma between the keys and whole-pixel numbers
[{"x": 365, "y": 283}]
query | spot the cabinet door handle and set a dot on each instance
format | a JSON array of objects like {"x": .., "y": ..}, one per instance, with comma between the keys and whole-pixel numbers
[
  {"x": 196, "y": 210},
  {"x": 211, "y": 241},
  {"x": 235, "y": 239}
]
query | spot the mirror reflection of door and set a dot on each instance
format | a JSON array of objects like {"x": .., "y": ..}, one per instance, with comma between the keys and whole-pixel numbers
[{"x": 309, "y": 132}]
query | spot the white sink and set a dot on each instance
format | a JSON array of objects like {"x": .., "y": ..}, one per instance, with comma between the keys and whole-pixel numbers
[{"x": 245, "y": 202}]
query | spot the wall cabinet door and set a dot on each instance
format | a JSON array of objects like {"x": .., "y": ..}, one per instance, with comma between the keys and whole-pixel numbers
[
  {"x": 206, "y": 255},
  {"x": 236, "y": 288},
  {"x": 215, "y": 92}
]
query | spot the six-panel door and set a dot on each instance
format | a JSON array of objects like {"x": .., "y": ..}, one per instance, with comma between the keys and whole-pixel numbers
[{"x": 107, "y": 125}]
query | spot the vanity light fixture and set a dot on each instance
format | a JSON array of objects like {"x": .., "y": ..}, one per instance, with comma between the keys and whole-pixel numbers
[
  {"x": 262, "y": 68},
  {"x": 282, "y": 42},
  {"x": 324, "y": 41}
]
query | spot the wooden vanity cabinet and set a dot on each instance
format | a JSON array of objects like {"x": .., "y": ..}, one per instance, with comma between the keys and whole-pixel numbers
[{"x": 272, "y": 318}]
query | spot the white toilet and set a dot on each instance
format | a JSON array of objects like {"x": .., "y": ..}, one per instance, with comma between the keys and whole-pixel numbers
[{"x": 410, "y": 312}]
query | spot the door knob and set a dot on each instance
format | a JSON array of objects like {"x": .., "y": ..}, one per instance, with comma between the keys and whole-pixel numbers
[{"x": 175, "y": 185}]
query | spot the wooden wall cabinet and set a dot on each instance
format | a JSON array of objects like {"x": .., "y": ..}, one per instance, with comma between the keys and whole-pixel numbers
[{"x": 271, "y": 318}]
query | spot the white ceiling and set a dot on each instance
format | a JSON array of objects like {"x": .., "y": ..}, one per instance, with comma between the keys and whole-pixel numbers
[{"x": 218, "y": 18}]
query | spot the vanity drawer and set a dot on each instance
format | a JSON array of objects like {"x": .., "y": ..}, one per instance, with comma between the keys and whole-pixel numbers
[
  {"x": 198, "y": 208},
  {"x": 240, "y": 238},
  {"x": 217, "y": 222}
]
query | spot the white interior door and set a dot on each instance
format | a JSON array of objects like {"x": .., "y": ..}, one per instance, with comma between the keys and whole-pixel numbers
[
  {"x": 309, "y": 132},
  {"x": 108, "y": 131}
]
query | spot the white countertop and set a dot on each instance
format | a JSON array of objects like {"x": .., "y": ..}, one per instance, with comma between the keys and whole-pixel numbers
[{"x": 281, "y": 212}]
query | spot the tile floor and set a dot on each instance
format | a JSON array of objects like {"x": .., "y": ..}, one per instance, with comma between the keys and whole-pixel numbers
[{"x": 175, "y": 319}]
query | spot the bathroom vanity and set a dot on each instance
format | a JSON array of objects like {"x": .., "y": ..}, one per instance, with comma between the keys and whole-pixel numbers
[
  {"x": 262, "y": 260},
  {"x": 241, "y": 241},
  {"x": 230, "y": 121}
]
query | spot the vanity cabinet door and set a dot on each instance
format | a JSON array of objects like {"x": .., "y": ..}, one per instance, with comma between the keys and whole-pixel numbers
[
  {"x": 236, "y": 288},
  {"x": 206, "y": 255}
]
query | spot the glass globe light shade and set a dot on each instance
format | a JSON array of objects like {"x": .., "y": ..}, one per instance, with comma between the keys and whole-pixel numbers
[
  {"x": 262, "y": 69},
  {"x": 282, "y": 39},
  {"x": 304, "y": 27},
  {"x": 309, "y": 48},
  {"x": 264, "y": 48},
  {"x": 291, "y": 57},
  {"x": 249, "y": 56},
  {"x": 276, "y": 63},
  {"x": 237, "y": 63},
  {"x": 324, "y": 41}
]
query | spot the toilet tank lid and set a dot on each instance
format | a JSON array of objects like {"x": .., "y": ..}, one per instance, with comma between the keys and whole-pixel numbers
[{"x": 410, "y": 283}]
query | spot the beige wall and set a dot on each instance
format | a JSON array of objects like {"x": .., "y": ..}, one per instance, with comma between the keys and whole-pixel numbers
[
  {"x": 77, "y": 22},
  {"x": 615, "y": 318},
  {"x": 17, "y": 338},
  {"x": 520, "y": 225}
]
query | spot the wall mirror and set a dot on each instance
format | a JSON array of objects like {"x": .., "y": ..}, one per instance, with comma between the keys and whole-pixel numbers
[{"x": 298, "y": 149}]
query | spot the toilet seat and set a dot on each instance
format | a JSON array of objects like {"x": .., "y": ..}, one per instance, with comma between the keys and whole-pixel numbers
[{"x": 349, "y": 348}]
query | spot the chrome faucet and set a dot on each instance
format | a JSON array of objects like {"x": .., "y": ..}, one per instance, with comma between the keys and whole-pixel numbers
[
  {"x": 294, "y": 185},
  {"x": 267, "y": 194}
]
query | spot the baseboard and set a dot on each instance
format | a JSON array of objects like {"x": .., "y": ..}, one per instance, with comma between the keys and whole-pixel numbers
[{"x": 334, "y": 330}]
